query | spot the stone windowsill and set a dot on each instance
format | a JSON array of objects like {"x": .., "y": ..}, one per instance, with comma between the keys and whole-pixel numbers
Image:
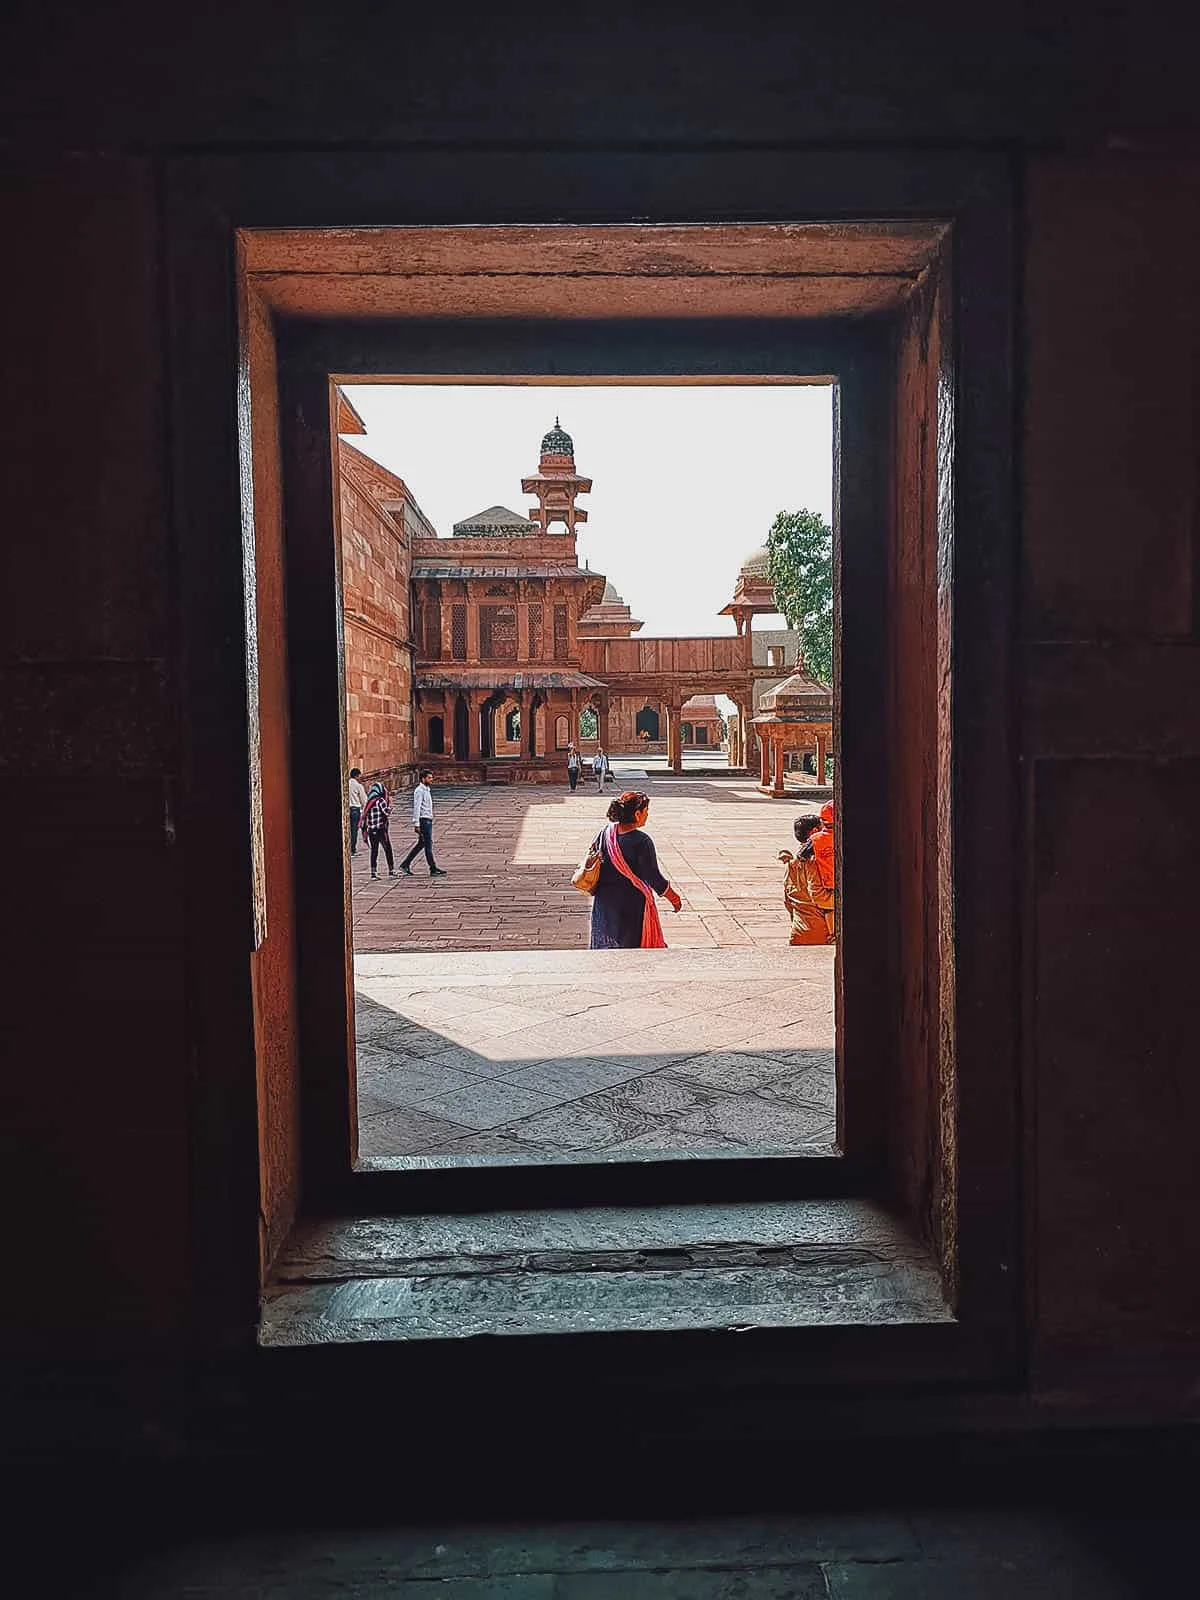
[{"x": 821, "y": 1263}]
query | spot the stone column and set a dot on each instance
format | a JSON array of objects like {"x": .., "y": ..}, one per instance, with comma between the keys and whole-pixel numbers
[
  {"x": 472, "y": 751},
  {"x": 530, "y": 733},
  {"x": 777, "y": 788},
  {"x": 602, "y": 723},
  {"x": 764, "y": 769},
  {"x": 674, "y": 738}
]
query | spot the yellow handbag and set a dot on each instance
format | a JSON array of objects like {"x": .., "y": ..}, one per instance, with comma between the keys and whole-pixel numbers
[{"x": 587, "y": 874}]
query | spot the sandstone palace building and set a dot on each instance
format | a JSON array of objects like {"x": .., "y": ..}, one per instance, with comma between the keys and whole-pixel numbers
[{"x": 488, "y": 651}]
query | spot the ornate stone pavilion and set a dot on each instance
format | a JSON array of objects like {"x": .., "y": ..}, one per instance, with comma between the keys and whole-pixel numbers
[
  {"x": 796, "y": 715},
  {"x": 487, "y": 651},
  {"x": 496, "y": 612},
  {"x": 701, "y": 725}
]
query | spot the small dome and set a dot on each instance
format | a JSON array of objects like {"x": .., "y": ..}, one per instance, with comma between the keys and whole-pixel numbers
[
  {"x": 757, "y": 564},
  {"x": 558, "y": 442},
  {"x": 610, "y": 596}
]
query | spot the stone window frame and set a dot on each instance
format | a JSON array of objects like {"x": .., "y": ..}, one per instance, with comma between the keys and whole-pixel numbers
[
  {"x": 958, "y": 498},
  {"x": 562, "y": 631},
  {"x": 488, "y": 613},
  {"x": 458, "y": 630}
]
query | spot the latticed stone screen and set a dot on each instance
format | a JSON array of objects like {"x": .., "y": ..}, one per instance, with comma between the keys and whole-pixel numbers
[
  {"x": 458, "y": 632},
  {"x": 498, "y": 633},
  {"x": 560, "y": 633},
  {"x": 433, "y": 628},
  {"x": 535, "y": 633}
]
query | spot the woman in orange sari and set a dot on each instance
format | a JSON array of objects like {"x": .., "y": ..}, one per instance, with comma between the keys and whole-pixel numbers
[{"x": 807, "y": 901}]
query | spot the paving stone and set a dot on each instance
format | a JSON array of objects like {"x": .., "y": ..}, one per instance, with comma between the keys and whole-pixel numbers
[
  {"x": 418, "y": 1079},
  {"x": 731, "y": 1070},
  {"x": 571, "y": 1126},
  {"x": 516, "y": 851},
  {"x": 488, "y": 1142},
  {"x": 811, "y": 1086},
  {"x": 571, "y": 1079},
  {"x": 403, "y": 1132},
  {"x": 581, "y": 1051},
  {"x": 759, "y": 1124},
  {"x": 486, "y": 1104}
]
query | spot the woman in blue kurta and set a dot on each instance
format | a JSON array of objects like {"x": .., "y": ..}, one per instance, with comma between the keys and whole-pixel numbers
[{"x": 624, "y": 916}]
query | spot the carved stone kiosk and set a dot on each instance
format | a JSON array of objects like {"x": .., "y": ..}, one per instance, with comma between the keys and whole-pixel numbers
[{"x": 796, "y": 715}]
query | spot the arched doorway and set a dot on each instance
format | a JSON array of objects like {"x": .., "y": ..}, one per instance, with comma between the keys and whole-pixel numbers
[
  {"x": 589, "y": 723},
  {"x": 512, "y": 726},
  {"x": 462, "y": 728},
  {"x": 647, "y": 722},
  {"x": 437, "y": 736}
]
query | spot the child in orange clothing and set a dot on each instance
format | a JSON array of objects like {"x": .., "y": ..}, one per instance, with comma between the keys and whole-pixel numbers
[
  {"x": 805, "y": 897},
  {"x": 822, "y": 847}
]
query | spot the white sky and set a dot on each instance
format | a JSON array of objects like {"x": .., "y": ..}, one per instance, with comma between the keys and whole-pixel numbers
[{"x": 687, "y": 480}]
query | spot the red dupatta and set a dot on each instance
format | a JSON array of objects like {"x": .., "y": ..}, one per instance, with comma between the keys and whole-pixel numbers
[{"x": 652, "y": 934}]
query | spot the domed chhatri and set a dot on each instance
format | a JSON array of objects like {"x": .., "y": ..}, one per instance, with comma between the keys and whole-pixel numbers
[
  {"x": 558, "y": 442},
  {"x": 753, "y": 593},
  {"x": 556, "y": 483}
]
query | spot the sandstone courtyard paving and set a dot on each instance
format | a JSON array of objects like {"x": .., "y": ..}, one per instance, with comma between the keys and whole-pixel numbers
[{"x": 488, "y": 1032}]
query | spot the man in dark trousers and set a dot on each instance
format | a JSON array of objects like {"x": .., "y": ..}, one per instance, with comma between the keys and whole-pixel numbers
[{"x": 423, "y": 823}]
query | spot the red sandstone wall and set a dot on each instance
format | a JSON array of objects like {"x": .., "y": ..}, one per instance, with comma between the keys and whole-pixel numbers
[
  {"x": 273, "y": 964},
  {"x": 375, "y": 598},
  {"x": 1111, "y": 656}
]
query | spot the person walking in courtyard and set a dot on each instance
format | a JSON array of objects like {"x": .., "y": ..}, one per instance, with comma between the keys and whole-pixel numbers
[
  {"x": 599, "y": 768},
  {"x": 807, "y": 901},
  {"x": 624, "y": 913},
  {"x": 358, "y": 798},
  {"x": 423, "y": 823},
  {"x": 573, "y": 766},
  {"x": 375, "y": 827}
]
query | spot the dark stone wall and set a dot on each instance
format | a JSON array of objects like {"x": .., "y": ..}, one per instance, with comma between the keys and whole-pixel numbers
[{"x": 1099, "y": 113}]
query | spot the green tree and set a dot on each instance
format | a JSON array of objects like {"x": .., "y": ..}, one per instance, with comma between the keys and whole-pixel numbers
[{"x": 800, "y": 556}]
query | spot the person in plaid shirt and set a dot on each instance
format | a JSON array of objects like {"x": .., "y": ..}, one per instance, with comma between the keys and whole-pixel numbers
[{"x": 375, "y": 827}]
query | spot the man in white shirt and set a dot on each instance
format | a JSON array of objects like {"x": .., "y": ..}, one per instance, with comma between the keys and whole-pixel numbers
[
  {"x": 423, "y": 823},
  {"x": 358, "y": 799}
]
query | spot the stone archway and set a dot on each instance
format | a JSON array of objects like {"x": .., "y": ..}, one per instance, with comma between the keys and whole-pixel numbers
[
  {"x": 648, "y": 722},
  {"x": 437, "y": 736}
]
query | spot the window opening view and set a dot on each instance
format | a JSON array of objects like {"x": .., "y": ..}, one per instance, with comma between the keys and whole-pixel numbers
[{"x": 590, "y": 773}]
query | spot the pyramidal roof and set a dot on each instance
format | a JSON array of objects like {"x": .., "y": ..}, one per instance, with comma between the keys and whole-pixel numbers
[
  {"x": 496, "y": 519},
  {"x": 799, "y": 691}
]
